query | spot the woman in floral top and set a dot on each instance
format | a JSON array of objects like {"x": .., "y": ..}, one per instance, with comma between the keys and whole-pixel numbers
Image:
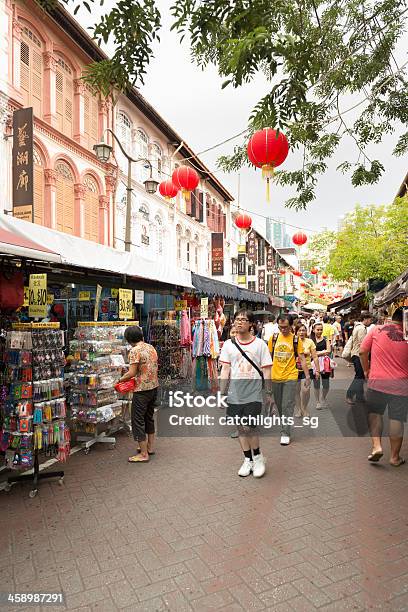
[{"x": 144, "y": 369}]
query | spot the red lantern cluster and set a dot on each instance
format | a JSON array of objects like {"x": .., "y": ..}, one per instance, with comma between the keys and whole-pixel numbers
[
  {"x": 314, "y": 271},
  {"x": 282, "y": 271},
  {"x": 186, "y": 179},
  {"x": 243, "y": 222},
  {"x": 297, "y": 273},
  {"x": 299, "y": 238},
  {"x": 324, "y": 284},
  {"x": 168, "y": 190},
  {"x": 324, "y": 275},
  {"x": 303, "y": 284},
  {"x": 267, "y": 149}
]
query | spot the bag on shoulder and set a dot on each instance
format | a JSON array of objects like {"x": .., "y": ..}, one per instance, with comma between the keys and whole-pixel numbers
[{"x": 346, "y": 354}]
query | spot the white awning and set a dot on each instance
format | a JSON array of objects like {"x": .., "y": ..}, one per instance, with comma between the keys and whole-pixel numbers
[{"x": 82, "y": 253}]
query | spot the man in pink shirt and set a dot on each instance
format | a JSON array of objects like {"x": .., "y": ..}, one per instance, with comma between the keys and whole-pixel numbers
[{"x": 384, "y": 357}]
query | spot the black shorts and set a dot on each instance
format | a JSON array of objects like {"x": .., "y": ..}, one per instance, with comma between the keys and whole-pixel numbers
[
  {"x": 397, "y": 404},
  {"x": 301, "y": 375},
  {"x": 252, "y": 409}
]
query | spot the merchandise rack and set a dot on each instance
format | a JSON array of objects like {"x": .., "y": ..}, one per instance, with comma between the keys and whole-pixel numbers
[
  {"x": 96, "y": 411},
  {"x": 34, "y": 423}
]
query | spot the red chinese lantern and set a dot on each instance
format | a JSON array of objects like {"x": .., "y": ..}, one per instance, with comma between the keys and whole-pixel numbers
[
  {"x": 297, "y": 273},
  {"x": 324, "y": 284},
  {"x": 307, "y": 291},
  {"x": 243, "y": 222},
  {"x": 314, "y": 271},
  {"x": 282, "y": 271},
  {"x": 186, "y": 179},
  {"x": 303, "y": 284},
  {"x": 299, "y": 238},
  {"x": 168, "y": 190},
  {"x": 267, "y": 149},
  {"x": 321, "y": 295},
  {"x": 324, "y": 275}
]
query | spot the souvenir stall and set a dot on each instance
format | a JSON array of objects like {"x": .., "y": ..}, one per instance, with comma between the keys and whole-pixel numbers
[
  {"x": 169, "y": 331},
  {"x": 205, "y": 352},
  {"x": 32, "y": 401},
  {"x": 99, "y": 354}
]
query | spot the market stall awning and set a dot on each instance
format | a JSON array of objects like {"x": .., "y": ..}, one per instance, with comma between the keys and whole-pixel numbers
[
  {"x": 212, "y": 287},
  {"x": 21, "y": 246},
  {"x": 394, "y": 290},
  {"x": 346, "y": 302},
  {"x": 82, "y": 253}
]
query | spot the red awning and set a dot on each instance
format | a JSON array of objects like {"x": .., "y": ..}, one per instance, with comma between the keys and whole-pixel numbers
[{"x": 20, "y": 246}]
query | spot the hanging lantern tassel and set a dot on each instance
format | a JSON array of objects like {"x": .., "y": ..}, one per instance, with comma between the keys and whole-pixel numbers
[
  {"x": 186, "y": 194},
  {"x": 267, "y": 173}
]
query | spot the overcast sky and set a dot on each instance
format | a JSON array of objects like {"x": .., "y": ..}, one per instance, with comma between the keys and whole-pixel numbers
[{"x": 194, "y": 104}]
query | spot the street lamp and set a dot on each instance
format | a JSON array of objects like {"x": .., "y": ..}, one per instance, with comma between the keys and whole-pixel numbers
[{"x": 103, "y": 152}]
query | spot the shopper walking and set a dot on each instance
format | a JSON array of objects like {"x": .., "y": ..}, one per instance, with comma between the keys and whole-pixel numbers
[
  {"x": 387, "y": 372},
  {"x": 270, "y": 328},
  {"x": 246, "y": 363},
  {"x": 143, "y": 367},
  {"x": 285, "y": 350},
  {"x": 356, "y": 389},
  {"x": 323, "y": 351},
  {"x": 303, "y": 390}
]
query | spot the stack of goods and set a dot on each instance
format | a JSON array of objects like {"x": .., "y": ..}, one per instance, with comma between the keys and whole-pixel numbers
[
  {"x": 98, "y": 352},
  {"x": 170, "y": 334},
  {"x": 205, "y": 350},
  {"x": 32, "y": 398}
]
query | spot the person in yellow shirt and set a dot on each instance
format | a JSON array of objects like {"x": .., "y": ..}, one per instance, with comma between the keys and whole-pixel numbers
[
  {"x": 286, "y": 349},
  {"x": 328, "y": 331}
]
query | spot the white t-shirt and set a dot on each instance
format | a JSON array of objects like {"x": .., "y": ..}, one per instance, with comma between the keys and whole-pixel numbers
[
  {"x": 245, "y": 383},
  {"x": 268, "y": 330}
]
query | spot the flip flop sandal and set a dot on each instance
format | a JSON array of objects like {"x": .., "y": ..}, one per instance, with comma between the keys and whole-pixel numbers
[
  {"x": 375, "y": 457},
  {"x": 401, "y": 462},
  {"x": 137, "y": 459},
  {"x": 150, "y": 453}
]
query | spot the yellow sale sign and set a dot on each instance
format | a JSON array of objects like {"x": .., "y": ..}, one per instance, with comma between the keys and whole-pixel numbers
[
  {"x": 37, "y": 295},
  {"x": 125, "y": 304}
]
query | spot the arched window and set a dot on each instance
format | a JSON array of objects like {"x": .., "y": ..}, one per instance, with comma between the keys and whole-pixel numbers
[
  {"x": 142, "y": 149},
  {"x": 91, "y": 216},
  {"x": 144, "y": 225},
  {"x": 38, "y": 188},
  {"x": 91, "y": 116},
  {"x": 64, "y": 198},
  {"x": 124, "y": 130},
  {"x": 178, "y": 244},
  {"x": 64, "y": 96},
  {"x": 156, "y": 159},
  {"x": 144, "y": 212},
  {"x": 159, "y": 235},
  {"x": 31, "y": 70}
]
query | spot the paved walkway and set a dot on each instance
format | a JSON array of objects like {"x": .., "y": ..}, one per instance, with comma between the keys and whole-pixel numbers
[{"x": 323, "y": 529}]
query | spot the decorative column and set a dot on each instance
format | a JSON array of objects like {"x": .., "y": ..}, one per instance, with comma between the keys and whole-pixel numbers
[
  {"x": 17, "y": 30},
  {"x": 104, "y": 219},
  {"x": 79, "y": 210},
  {"x": 103, "y": 107},
  {"x": 110, "y": 186},
  {"x": 50, "y": 205},
  {"x": 79, "y": 111},
  {"x": 50, "y": 89}
]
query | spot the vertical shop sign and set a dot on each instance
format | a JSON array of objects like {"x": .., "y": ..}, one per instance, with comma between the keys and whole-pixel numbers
[
  {"x": 139, "y": 296},
  {"x": 37, "y": 295},
  {"x": 97, "y": 301},
  {"x": 242, "y": 265},
  {"x": 180, "y": 305},
  {"x": 217, "y": 254},
  {"x": 125, "y": 304},
  {"x": 261, "y": 281},
  {"x": 23, "y": 178},
  {"x": 269, "y": 258},
  {"x": 251, "y": 246},
  {"x": 204, "y": 308}
]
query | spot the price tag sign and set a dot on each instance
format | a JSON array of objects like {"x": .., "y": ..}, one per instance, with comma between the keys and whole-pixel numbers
[
  {"x": 50, "y": 298},
  {"x": 26, "y": 296},
  {"x": 180, "y": 304},
  {"x": 114, "y": 293},
  {"x": 204, "y": 308},
  {"x": 37, "y": 295},
  {"x": 84, "y": 296},
  {"x": 125, "y": 304},
  {"x": 139, "y": 296}
]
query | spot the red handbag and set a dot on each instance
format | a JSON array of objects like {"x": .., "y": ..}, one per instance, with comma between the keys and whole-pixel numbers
[{"x": 127, "y": 386}]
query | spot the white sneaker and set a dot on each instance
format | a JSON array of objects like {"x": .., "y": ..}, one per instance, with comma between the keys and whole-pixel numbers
[
  {"x": 319, "y": 406},
  {"x": 285, "y": 440},
  {"x": 258, "y": 466},
  {"x": 246, "y": 468}
]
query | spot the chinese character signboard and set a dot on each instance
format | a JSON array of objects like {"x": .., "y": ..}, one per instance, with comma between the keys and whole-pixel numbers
[
  {"x": 139, "y": 296},
  {"x": 251, "y": 246},
  {"x": 37, "y": 296},
  {"x": 125, "y": 304},
  {"x": 269, "y": 258},
  {"x": 242, "y": 265},
  {"x": 261, "y": 281},
  {"x": 217, "y": 254},
  {"x": 23, "y": 190},
  {"x": 204, "y": 308},
  {"x": 180, "y": 305}
]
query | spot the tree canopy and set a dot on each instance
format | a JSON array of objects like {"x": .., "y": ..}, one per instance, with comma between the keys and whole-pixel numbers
[
  {"x": 372, "y": 244},
  {"x": 330, "y": 67}
]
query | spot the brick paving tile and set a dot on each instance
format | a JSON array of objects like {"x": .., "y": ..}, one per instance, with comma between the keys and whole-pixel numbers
[
  {"x": 221, "y": 583},
  {"x": 215, "y": 601},
  {"x": 343, "y": 589},
  {"x": 87, "y": 597},
  {"x": 123, "y": 594},
  {"x": 169, "y": 571},
  {"x": 176, "y": 602},
  {"x": 283, "y": 576},
  {"x": 355, "y": 603},
  {"x": 340, "y": 572},
  {"x": 301, "y": 604},
  {"x": 190, "y": 586},
  {"x": 99, "y": 580},
  {"x": 278, "y": 594},
  {"x": 254, "y": 580},
  {"x": 71, "y": 582},
  {"x": 199, "y": 569},
  {"x": 246, "y": 598},
  {"x": 317, "y": 596},
  {"x": 156, "y": 589}
]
